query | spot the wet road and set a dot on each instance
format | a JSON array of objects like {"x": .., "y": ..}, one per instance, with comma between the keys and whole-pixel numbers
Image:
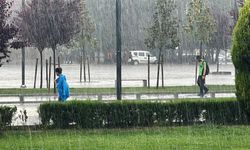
[{"x": 105, "y": 75}]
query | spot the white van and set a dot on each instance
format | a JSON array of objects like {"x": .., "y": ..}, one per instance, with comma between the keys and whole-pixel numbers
[{"x": 141, "y": 57}]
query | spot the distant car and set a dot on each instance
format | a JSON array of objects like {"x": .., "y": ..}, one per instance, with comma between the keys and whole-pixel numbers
[{"x": 141, "y": 57}]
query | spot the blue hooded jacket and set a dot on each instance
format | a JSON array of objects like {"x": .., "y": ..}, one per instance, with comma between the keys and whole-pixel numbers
[{"x": 62, "y": 87}]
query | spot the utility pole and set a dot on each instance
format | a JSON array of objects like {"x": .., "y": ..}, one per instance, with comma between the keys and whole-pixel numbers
[
  {"x": 23, "y": 57},
  {"x": 118, "y": 51}
]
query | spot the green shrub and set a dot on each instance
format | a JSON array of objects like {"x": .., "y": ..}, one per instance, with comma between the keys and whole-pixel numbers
[
  {"x": 6, "y": 115},
  {"x": 241, "y": 58},
  {"x": 241, "y": 54},
  {"x": 120, "y": 114}
]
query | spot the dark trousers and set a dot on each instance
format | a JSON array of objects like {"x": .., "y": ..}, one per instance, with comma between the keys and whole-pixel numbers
[
  {"x": 60, "y": 99},
  {"x": 201, "y": 83}
]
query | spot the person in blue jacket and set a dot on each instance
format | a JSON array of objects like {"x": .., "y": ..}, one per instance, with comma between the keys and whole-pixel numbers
[{"x": 62, "y": 86}]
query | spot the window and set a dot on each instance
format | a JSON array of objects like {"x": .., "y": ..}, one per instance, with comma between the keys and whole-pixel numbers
[{"x": 141, "y": 53}]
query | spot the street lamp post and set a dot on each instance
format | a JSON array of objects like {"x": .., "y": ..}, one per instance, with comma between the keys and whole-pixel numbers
[
  {"x": 23, "y": 58},
  {"x": 118, "y": 50}
]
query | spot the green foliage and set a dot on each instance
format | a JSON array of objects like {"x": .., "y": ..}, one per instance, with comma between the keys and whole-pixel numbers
[
  {"x": 201, "y": 23},
  {"x": 47, "y": 24},
  {"x": 91, "y": 114},
  {"x": 163, "y": 32},
  {"x": 220, "y": 39},
  {"x": 87, "y": 29},
  {"x": 7, "y": 30},
  {"x": 32, "y": 25},
  {"x": 241, "y": 54},
  {"x": 6, "y": 115}
]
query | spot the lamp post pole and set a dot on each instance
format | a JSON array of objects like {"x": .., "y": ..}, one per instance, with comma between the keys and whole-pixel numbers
[
  {"x": 118, "y": 50},
  {"x": 23, "y": 58}
]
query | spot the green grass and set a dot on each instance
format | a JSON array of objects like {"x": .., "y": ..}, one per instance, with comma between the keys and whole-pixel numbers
[
  {"x": 169, "y": 89},
  {"x": 183, "y": 138}
]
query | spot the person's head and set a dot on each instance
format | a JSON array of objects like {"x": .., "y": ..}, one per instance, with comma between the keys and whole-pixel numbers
[
  {"x": 199, "y": 58},
  {"x": 58, "y": 71}
]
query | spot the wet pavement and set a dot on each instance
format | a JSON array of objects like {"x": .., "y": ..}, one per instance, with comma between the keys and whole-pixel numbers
[{"x": 105, "y": 75}]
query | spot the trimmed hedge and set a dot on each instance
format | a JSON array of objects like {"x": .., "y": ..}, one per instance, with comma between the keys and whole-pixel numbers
[
  {"x": 119, "y": 114},
  {"x": 6, "y": 115}
]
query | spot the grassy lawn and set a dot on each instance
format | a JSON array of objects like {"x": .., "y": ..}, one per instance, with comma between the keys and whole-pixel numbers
[
  {"x": 169, "y": 89},
  {"x": 183, "y": 138}
]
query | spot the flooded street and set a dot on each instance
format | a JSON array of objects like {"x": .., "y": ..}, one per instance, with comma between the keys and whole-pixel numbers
[{"x": 105, "y": 75}]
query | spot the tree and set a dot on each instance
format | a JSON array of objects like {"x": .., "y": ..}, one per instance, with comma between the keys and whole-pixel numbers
[
  {"x": 220, "y": 39},
  {"x": 200, "y": 22},
  {"x": 85, "y": 36},
  {"x": 241, "y": 57},
  {"x": 49, "y": 23},
  {"x": 7, "y": 31},
  {"x": 32, "y": 27},
  {"x": 105, "y": 24},
  {"x": 162, "y": 34},
  {"x": 62, "y": 20}
]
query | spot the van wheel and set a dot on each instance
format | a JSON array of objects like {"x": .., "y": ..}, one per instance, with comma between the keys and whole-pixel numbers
[
  {"x": 136, "y": 62},
  {"x": 156, "y": 62}
]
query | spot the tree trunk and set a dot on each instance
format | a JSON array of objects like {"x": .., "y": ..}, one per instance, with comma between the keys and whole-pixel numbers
[
  {"x": 217, "y": 55},
  {"x": 84, "y": 63},
  {"x": 201, "y": 54},
  {"x": 225, "y": 56},
  {"x": 41, "y": 71},
  {"x": 162, "y": 71},
  {"x": 35, "y": 73},
  {"x": 158, "y": 70},
  {"x": 180, "y": 52},
  {"x": 47, "y": 81},
  {"x": 49, "y": 74},
  {"x": 217, "y": 59},
  {"x": 54, "y": 62},
  {"x": 98, "y": 56},
  {"x": 81, "y": 68},
  {"x": 148, "y": 71},
  {"x": 196, "y": 71},
  {"x": 172, "y": 56},
  {"x": 88, "y": 68},
  {"x": 212, "y": 55},
  {"x": 218, "y": 65}
]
